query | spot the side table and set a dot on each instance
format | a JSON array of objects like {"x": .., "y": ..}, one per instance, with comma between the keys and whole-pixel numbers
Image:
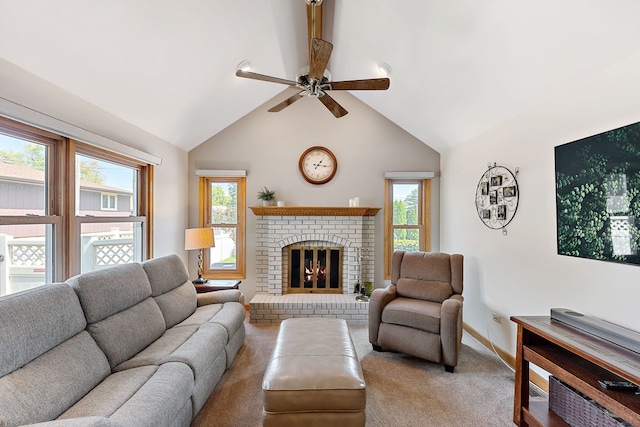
[{"x": 216, "y": 285}]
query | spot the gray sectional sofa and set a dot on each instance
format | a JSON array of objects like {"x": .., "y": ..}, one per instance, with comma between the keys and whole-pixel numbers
[{"x": 130, "y": 345}]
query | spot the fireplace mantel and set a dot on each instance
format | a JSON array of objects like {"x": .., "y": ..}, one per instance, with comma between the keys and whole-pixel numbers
[{"x": 313, "y": 211}]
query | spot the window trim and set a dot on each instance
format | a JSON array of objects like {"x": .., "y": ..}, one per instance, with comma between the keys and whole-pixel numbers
[
  {"x": 60, "y": 195},
  {"x": 205, "y": 221},
  {"x": 142, "y": 215},
  {"x": 424, "y": 218},
  {"x": 54, "y": 189}
]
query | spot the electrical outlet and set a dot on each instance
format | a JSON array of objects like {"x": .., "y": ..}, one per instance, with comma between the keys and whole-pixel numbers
[{"x": 496, "y": 317}]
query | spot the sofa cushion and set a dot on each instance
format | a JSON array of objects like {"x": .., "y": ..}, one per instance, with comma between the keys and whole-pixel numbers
[
  {"x": 123, "y": 317},
  {"x": 109, "y": 291},
  {"x": 126, "y": 333},
  {"x": 44, "y": 388},
  {"x": 159, "y": 349},
  {"x": 78, "y": 422},
  {"x": 231, "y": 317},
  {"x": 205, "y": 354},
  {"x": 162, "y": 400},
  {"x": 427, "y": 290},
  {"x": 165, "y": 273},
  {"x": 144, "y": 396},
  {"x": 36, "y": 320},
  {"x": 200, "y": 348},
  {"x": 202, "y": 315},
  {"x": 171, "y": 288},
  {"x": 177, "y": 304},
  {"x": 414, "y": 313},
  {"x": 207, "y": 342}
]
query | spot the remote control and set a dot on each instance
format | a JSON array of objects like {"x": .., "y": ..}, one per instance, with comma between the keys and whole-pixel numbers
[{"x": 618, "y": 385}]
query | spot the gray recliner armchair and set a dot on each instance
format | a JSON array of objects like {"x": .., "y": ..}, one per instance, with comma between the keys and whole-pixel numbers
[{"x": 420, "y": 312}]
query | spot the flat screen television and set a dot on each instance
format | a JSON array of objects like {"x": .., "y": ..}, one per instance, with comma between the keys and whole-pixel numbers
[{"x": 598, "y": 196}]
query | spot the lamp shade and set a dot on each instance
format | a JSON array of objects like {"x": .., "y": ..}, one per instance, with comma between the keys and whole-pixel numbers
[{"x": 198, "y": 238}]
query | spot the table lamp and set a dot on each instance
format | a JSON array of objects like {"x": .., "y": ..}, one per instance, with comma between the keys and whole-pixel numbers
[{"x": 199, "y": 238}]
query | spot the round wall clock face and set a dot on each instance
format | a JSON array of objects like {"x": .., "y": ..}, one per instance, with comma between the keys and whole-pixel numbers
[{"x": 318, "y": 165}]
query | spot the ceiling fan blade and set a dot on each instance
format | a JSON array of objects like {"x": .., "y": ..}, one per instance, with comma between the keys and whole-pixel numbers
[
  {"x": 284, "y": 104},
  {"x": 256, "y": 76},
  {"x": 320, "y": 53},
  {"x": 331, "y": 104},
  {"x": 366, "y": 84}
]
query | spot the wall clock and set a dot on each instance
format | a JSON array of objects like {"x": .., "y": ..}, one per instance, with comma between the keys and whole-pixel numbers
[
  {"x": 318, "y": 165},
  {"x": 497, "y": 197}
]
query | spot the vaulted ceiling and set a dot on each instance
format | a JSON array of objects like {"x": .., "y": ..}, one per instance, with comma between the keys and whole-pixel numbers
[{"x": 459, "y": 67}]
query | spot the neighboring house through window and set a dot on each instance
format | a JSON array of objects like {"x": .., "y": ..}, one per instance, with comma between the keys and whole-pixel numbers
[{"x": 54, "y": 225}]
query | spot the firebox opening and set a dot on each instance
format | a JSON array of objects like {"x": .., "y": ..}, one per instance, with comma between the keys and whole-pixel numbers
[{"x": 315, "y": 269}]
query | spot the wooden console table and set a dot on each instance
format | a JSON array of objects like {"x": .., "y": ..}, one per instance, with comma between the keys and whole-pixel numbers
[{"x": 579, "y": 360}]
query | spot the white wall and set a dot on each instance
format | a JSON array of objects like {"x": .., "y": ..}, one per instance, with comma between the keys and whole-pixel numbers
[
  {"x": 521, "y": 273},
  {"x": 170, "y": 205},
  {"x": 269, "y": 145}
]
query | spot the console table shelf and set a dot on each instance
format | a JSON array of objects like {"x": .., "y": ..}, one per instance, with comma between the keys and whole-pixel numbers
[
  {"x": 539, "y": 414},
  {"x": 577, "y": 359}
]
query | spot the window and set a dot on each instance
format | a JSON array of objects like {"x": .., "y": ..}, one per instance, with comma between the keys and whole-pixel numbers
[
  {"x": 109, "y": 202},
  {"x": 54, "y": 225},
  {"x": 222, "y": 202},
  {"x": 406, "y": 217},
  {"x": 30, "y": 223},
  {"x": 111, "y": 217}
]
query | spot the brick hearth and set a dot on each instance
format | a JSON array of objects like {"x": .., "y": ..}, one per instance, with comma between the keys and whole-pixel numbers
[{"x": 266, "y": 308}]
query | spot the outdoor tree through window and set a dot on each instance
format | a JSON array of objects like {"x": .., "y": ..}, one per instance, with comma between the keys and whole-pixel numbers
[
  {"x": 406, "y": 217},
  {"x": 67, "y": 207},
  {"x": 223, "y": 209},
  {"x": 30, "y": 224}
]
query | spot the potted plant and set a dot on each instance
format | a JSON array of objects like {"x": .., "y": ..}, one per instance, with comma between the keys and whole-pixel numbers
[
  {"x": 368, "y": 288},
  {"x": 363, "y": 291},
  {"x": 267, "y": 196}
]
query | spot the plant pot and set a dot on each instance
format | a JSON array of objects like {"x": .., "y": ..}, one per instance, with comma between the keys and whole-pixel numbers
[{"x": 368, "y": 288}]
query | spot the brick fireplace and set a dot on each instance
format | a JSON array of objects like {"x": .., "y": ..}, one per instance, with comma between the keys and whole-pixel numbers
[{"x": 279, "y": 227}]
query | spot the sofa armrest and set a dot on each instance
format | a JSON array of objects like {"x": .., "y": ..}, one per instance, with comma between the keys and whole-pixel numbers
[
  {"x": 451, "y": 329},
  {"x": 77, "y": 422},
  {"x": 219, "y": 297},
  {"x": 378, "y": 300}
]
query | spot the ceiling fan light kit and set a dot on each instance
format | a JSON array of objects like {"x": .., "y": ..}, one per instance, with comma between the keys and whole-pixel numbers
[
  {"x": 384, "y": 68},
  {"x": 244, "y": 65},
  {"x": 315, "y": 80}
]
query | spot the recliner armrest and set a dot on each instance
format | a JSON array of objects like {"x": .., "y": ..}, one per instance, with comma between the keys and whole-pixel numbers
[
  {"x": 451, "y": 308},
  {"x": 378, "y": 300},
  {"x": 451, "y": 329},
  {"x": 383, "y": 296},
  {"x": 219, "y": 297}
]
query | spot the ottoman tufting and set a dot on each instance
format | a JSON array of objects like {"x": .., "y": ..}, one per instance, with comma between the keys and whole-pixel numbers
[{"x": 313, "y": 377}]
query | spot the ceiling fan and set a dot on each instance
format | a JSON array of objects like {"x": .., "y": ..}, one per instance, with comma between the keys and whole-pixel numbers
[{"x": 315, "y": 80}]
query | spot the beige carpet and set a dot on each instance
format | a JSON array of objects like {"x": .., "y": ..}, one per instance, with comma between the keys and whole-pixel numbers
[{"x": 401, "y": 390}]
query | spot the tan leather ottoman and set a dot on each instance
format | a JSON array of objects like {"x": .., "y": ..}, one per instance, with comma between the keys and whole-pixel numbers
[{"x": 313, "y": 377}]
